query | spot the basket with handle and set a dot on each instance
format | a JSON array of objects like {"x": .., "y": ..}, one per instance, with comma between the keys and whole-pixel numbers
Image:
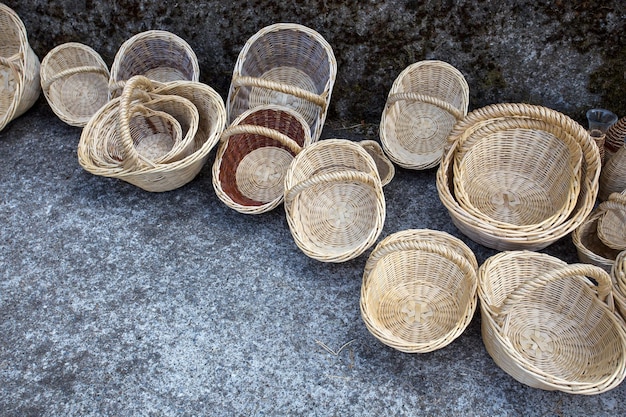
[
  {"x": 19, "y": 68},
  {"x": 156, "y": 54},
  {"x": 548, "y": 325},
  {"x": 111, "y": 125},
  {"x": 424, "y": 103},
  {"x": 612, "y": 223},
  {"x": 419, "y": 290},
  {"x": 492, "y": 234},
  {"x": 284, "y": 64},
  {"x": 517, "y": 173},
  {"x": 74, "y": 80},
  {"x": 334, "y": 200},
  {"x": 254, "y": 154}
]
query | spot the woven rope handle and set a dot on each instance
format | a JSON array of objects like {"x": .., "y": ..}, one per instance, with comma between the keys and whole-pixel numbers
[
  {"x": 394, "y": 98},
  {"x": 604, "y": 289},
  {"x": 73, "y": 71},
  {"x": 319, "y": 100},
  {"x": 285, "y": 140},
  {"x": 330, "y": 177}
]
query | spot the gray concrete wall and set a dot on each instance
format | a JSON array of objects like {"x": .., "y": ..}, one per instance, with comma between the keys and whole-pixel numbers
[{"x": 567, "y": 55}]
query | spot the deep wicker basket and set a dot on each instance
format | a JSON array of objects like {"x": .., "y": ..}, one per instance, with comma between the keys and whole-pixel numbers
[
  {"x": 288, "y": 65},
  {"x": 97, "y": 155},
  {"x": 424, "y": 103},
  {"x": 253, "y": 157},
  {"x": 156, "y": 54},
  {"x": 419, "y": 290},
  {"x": 74, "y": 80},
  {"x": 19, "y": 68},
  {"x": 492, "y": 234},
  {"x": 549, "y": 326},
  {"x": 334, "y": 200}
]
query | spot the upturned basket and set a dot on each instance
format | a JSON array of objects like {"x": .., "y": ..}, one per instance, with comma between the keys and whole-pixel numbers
[
  {"x": 492, "y": 234},
  {"x": 254, "y": 154},
  {"x": 549, "y": 326},
  {"x": 288, "y": 65},
  {"x": 517, "y": 173},
  {"x": 74, "y": 80},
  {"x": 613, "y": 177},
  {"x": 419, "y": 290},
  {"x": 110, "y": 125},
  {"x": 612, "y": 223},
  {"x": 424, "y": 103},
  {"x": 156, "y": 54},
  {"x": 334, "y": 200},
  {"x": 19, "y": 68}
]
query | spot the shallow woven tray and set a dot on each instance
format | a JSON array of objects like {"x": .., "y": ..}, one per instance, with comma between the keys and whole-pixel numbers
[{"x": 419, "y": 290}]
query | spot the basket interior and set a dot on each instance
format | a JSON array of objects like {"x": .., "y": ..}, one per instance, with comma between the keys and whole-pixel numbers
[
  {"x": 11, "y": 32},
  {"x": 436, "y": 81}
]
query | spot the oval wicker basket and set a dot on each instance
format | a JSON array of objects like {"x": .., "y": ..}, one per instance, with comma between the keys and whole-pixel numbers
[
  {"x": 334, "y": 201},
  {"x": 102, "y": 129},
  {"x": 424, "y": 103},
  {"x": 517, "y": 173},
  {"x": 612, "y": 223},
  {"x": 74, "y": 80},
  {"x": 493, "y": 235},
  {"x": 419, "y": 290},
  {"x": 284, "y": 64},
  {"x": 253, "y": 157},
  {"x": 613, "y": 176},
  {"x": 549, "y": 326},
  {"x": 19, "y": 68},
  {"x": 156, "y": 54}
]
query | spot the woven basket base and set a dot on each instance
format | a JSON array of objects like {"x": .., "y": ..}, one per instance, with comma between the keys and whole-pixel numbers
[
  {"x": 81, "y": 95},
  {"x": 260, "y": 175}
]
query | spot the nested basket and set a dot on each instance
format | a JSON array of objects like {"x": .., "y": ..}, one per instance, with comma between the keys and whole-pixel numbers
[
  {"x": 156, "y": 54},
  {"x": 517, "y": 173},
  {"x": 492, "y": 234},
  {"x": 254, "y": 154},
  {"x": 419, "y": 290},
  {"x": 74, "y": 80},
  {"x": 548, "y": 325},
  {"x": 612, "y": 223},
  {"x": 19, "y": 68},
  {"x": 589, "y": 247},
  {"x": 107, "y": 148},
  {"x": 334, "y": 200},
  {"x": 424, "y": 103},
  {"x": 284, "y": 64}
]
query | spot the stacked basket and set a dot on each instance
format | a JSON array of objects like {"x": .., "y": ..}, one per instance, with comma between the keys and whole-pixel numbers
[
  {"x": 19, "y": 68},
  {"x": 517, "y": 176}
]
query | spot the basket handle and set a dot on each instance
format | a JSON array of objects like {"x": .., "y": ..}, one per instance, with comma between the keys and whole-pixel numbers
[
  {"x": 320, "y": 100},
  {"x": 604, "y": 287},
  {"x": 262, "y": 131},
  {"x": 72, "y": 71},
  {"x": 338, "y": 176},
  {"x": 393, "y": 98}
]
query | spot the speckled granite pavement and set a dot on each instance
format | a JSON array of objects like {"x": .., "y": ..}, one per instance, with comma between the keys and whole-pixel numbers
[{"x": 119, "y": 302}]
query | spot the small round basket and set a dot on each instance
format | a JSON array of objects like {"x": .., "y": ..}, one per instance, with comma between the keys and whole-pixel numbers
[
  {"x": 590, "y": 248},
  {"x": 156, "y": 54},
  {"x": 19, "y": 68},
  {"x": 612, "y": 224},
  {"x": 288, "y": 65},
  {"x": 74, "y": 80},
  {"x": 549, "y": 326},
  {"x": 424, "y": 103},
  {"x": 253, "y": 157},
  {"x": 419, "y": 290},
  {"x": 334, "y": 200}
]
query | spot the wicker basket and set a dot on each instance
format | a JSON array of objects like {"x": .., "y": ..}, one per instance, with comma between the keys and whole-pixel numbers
[
  {"x": 334, "y": 201},
  {"x": 615, "y": 138},
  {"x": 618, "y": 275},
  {"x": 94, "y": 149},
  {"x": 284, "y": 64},
  {"x": 386, "y": 170},
  {"x": 19, "y": 68},
  {"x": 613, "y": 177},
  {"x": 424, "y": 103},
  {"x": 74, "y": 80},
  {"x": 517, "y": 173},
  {"x": 419, "y": 290},
  {"x": 253, "y": 157},
  {"x": 156, "y": 54},
  {"x": 493, "y": 235},
  {"x": 589, "y": 247},
  {"x": 549, "y": 326},
  {"x": 612, "y": 223}
]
